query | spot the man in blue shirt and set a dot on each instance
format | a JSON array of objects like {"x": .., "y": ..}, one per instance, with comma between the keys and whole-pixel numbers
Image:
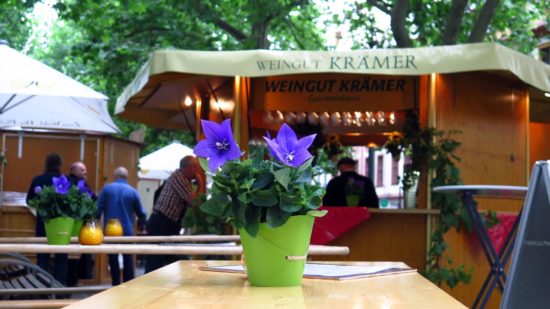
[{"x": 118, "y": 200}]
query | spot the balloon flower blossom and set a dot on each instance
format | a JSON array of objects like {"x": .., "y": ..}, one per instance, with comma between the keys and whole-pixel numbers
[
  {"x": 219, "y": 145},
  {"x": 287, "y": 148}
]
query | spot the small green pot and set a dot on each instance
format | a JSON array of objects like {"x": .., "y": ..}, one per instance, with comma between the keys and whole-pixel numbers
[
  {"x": 77, "y": 226},
  {"x": 352, "y": 200},
  {"x": 276, "y": 256},
  {"x": 58, "y": 230}
]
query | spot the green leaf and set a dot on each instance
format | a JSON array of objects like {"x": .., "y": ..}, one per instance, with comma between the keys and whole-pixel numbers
[
  {"x": 245, "y": 197},
  {"x": 263, "y": 180},
  {"x": 276, "y": 217},
  {"x": 290, "y": 203},
  {"x": 305, "y": 165},
  {"x": 314, "y": 202},
  {"x": 317, "y": 213},
  {"x": 252, "y": 220},
  {"x": 265, "y": 198},
  {"x": 204, "y": 164},
  {"x": 247, "y": 184},
  {"x": 283, "y": 177},
  {"x": 215, "y": 205}
]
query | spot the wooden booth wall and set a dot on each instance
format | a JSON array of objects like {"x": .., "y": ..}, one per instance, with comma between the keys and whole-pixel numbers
[
  {"x": 539, "y": 144},
  {"x": 492, "y": 113}
]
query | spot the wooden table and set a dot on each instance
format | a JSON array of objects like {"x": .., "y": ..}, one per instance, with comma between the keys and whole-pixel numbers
[{"x": 183, "y": 285}]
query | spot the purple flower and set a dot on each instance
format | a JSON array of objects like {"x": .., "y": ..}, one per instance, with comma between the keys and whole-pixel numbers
[
  {"x": 287, "y": 148},
  {"x": 37, "y": 189},
  {"x": 83, "y": 188},
  {"x": 61, "y": 184},
  {"x": 219, "y": 145}
]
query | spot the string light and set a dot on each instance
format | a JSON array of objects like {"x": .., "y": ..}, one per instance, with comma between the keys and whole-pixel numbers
[{"x": 326, "y": 119}]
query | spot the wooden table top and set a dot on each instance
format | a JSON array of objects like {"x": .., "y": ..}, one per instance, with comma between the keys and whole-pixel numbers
[{"x": 183, "y": 285}]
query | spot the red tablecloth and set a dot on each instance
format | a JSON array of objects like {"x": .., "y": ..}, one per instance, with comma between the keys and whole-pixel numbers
[
  {"x": 499, "y": 232},
  {"x": 336, "y": 222}
]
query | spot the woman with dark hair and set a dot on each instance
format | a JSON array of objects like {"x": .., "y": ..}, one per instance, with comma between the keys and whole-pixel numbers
[{"x": 52, "y": 168}]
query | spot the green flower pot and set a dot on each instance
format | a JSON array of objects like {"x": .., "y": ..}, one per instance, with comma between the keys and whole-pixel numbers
[
  {"x": 352, "y": 200},
  {"x": 276, "y": 256},
  {"x": 77, "y": 226},
  {"x": 58, "y": 230}
]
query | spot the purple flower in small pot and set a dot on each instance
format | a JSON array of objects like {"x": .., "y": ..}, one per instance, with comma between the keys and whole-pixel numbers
[
  {"x": 61, "y": 184},
  {"x": 37, "y": 189},
  {"x": 288, "y": 149},
  {"x": 83, "y": 188},
  {"x": 219, "y": 145}
]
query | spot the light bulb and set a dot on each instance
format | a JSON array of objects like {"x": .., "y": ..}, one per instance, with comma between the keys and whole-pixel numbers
[
  {"x": 313, "y": 118},
  {"x": 188, "y": 102},
  {"x": 268, "y": 117},
  {"x": 381, "y": 117},
  {"x": 278, "y": 117},
  {"x": 391, "y": 118},
  {"x": 290, "y": 118},
  {"x": 336, "y": 119},
  {"x": 301, "y": 117},
  {"x": 324, "y": 119}
]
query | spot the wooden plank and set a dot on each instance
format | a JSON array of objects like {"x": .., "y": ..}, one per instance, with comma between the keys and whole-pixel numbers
[
  {"x": 136, "y": 239},
  {"x": 56, "y": 291},
  {"x": 38, "y": 303},
  {"x": 153, "y": 249}
]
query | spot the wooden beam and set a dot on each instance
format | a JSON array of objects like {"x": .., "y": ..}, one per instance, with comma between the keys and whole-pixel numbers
[
  {"x": 152, "y": 249},
  {"x": 136, "y": 239}
]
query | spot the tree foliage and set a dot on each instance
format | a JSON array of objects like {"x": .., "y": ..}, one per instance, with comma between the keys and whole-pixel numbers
[
  {"x": 426, "y": 23},
  {"x": 16, "y": 22},
  {"x": 103, "y": 43}
]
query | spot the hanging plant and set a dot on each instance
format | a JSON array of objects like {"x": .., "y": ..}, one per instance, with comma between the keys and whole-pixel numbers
[{"x": 435, "y": 151}]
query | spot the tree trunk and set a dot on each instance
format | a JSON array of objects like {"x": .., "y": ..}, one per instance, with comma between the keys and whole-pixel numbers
[
  {"x": 398, "y": 17},
  {"x": 479, "y": 30},
  {"x": 454, "y": 19},
  {"x": 258, "y": 37}
]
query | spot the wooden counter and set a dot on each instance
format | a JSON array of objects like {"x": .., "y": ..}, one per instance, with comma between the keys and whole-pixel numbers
[
  {"x": 16, "y": 220},
  {"x": 183, "y": 285},
  {"x": 389, "y": 235}
]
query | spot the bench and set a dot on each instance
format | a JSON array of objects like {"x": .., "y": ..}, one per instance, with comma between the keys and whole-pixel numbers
[{"x": 18, "y": 274}]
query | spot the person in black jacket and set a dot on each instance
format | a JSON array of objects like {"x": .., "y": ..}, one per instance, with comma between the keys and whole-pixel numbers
[
  {"x": 52, "y": 169},
  {"x": 350, "y": 183},
  {"x": 79, "y": 267}
]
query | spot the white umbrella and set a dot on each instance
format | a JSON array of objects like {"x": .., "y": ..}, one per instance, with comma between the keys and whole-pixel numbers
[
  {"x": 163, "y": 162},
  {"x": 35, "y": 96}
]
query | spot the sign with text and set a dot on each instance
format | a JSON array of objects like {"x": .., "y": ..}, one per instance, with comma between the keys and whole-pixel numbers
[
  {"x": 529, "y": 281},
  {"x": 333, "y": 92}
]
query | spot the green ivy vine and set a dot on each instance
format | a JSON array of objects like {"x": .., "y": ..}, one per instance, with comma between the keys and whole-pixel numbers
[{"x": 435, "y": 150}]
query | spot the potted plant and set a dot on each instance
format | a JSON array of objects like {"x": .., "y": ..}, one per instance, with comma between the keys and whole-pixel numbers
[
  {"x": 272, "y": 202},
  {"x": 354, "y": 190},
  {"x": 59, "y": 205}
]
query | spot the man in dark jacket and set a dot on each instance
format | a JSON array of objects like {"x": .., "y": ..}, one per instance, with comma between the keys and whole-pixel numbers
[
  {"x": 348, "y": 184},
  {"x": 52, "y": 169},
  {"x": 79, "y": 267}
]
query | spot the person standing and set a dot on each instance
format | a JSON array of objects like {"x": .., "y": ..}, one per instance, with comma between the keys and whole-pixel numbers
[
  {"x": 174, "y": 199},
  {"x": 119, "y": 200},
  {"x": 350, "y": 183},
  {"x": 79, "y": 267},
  {"x": 52, "y": 168}
]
